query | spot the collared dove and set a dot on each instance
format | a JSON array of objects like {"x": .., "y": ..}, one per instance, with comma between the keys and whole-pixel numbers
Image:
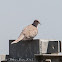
[{"x": 29, "y": 32}]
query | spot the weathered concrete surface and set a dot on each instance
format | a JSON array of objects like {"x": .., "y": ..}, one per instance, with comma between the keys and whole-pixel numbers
[
  {"x": 48, "y": 58},
  {"x": 27, "y": 49}
]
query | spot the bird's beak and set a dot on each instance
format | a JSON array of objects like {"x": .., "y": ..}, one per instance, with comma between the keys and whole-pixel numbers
[{"x": 39, "y": 23}]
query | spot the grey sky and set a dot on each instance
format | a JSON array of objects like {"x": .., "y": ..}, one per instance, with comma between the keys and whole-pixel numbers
[{"x": 16, "y": 14}]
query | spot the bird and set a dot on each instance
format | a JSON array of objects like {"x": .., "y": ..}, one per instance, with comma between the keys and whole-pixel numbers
[{"x": 29, "y": 32}]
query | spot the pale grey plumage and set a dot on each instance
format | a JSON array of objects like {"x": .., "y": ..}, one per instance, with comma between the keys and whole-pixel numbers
[{"x": 29, "y": 32}]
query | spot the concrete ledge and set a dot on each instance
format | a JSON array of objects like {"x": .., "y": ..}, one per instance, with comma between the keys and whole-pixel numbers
[
  {"x": 27, "y": 49},
  {"x": 48, "y": 57},
  {"x": 54, "y": 55}
]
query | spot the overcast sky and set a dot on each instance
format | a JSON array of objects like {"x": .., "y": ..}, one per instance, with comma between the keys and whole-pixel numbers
[{"x": 16, "y": 14}]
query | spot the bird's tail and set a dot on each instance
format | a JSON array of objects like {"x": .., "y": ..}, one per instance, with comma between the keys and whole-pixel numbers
[{"x": 19, "y": 38}]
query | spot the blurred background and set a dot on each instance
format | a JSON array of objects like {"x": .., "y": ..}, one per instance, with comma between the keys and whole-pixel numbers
[{"x": 16, "y": 14}]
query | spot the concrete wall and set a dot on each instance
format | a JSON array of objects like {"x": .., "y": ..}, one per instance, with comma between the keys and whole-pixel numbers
[{"x": 27, "y": 49}]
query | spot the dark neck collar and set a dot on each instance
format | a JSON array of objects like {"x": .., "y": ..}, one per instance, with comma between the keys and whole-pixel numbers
[{"x": 34, "y": 25}]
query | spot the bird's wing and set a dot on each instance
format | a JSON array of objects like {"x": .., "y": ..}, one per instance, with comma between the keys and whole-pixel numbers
[
  {"x": 18, "y": 39},
  {"x": 30, "y": 31}
]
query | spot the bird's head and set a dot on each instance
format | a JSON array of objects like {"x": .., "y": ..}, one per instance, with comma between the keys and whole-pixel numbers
[{"x": 35, "y": 23}]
